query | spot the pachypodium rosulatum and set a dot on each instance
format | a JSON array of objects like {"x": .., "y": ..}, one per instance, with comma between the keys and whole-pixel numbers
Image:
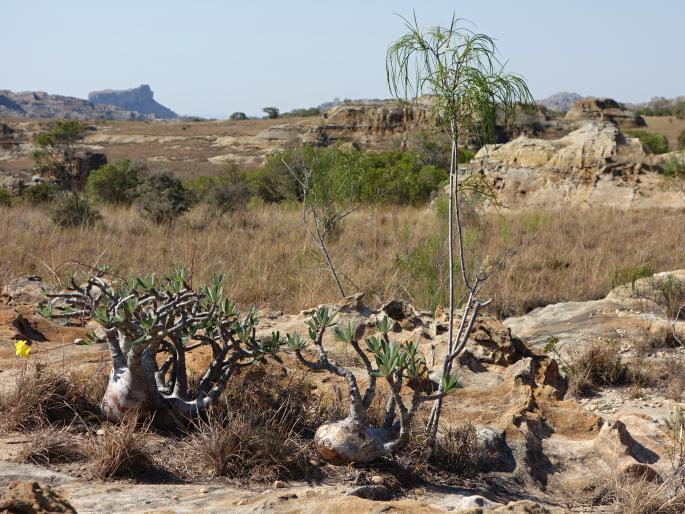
[
  {"x": 400, "y": 365},
  {"x": 150, "y": 324}
]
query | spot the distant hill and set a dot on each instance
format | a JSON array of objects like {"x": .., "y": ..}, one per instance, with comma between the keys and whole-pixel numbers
[
  {"x": 560, "y": 102},
  {"x": 138, "y": 99},
  {"x": 132, "y": 104}
]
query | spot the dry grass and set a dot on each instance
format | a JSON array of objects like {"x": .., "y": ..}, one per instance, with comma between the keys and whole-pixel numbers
[
  {"x": 51, "y": 446},
  {"x": 643, "y": 496},
  {"x": 43, "y": 395},
  {"x": 670, "y": 126},
  {"x": 599, "y": 364},
  {"x": 386, "y": 251},
  {"x": 122, "y": 450}
]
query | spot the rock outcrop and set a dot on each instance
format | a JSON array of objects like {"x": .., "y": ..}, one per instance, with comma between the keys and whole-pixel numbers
[
  {"x": 38, "y": 104},
  {"x": 604, "y": 109},
  {"x": 593, "y": 165},
  {"x": 138, "y": 99}
]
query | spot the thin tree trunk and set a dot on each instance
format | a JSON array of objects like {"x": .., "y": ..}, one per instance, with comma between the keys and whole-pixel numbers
[{"x": 434, "y": 418}]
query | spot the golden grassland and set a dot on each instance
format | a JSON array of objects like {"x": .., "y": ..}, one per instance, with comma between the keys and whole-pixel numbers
[
  {"x": 388, "y": 252},
  {"x": 670, "y": 126}
]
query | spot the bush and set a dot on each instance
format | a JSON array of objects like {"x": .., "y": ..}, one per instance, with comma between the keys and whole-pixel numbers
[
  {"x": 681, "y": 140},
  {"x": 72, "y": 210},
  {"x": 45, "y": 192},
  {"x": 311, "y": 111},
  {"x": 116, "y": 183},
  {"x": 653, "y": 142},
  {"x": 162, "y": 197},
  {"x": 230, "y": 191},
  {"x": 398, "y": 177},
  {"x": 5, "y": 200},
  {"x": 675, "y": 166},
  {"x": 238, "y": 116}
]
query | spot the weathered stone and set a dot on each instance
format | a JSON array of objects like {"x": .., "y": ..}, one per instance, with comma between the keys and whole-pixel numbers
[{"x": 604, "y": 109}]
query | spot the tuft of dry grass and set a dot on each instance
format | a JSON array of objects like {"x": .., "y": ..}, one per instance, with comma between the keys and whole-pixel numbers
[
  {"x": 388, "y": 251},
  {"x": 45, "y": 395},
  {"x": 257, "y": 432},
  {"x": 598, "y": 364},
  {"x": 50, "y": 446},
  {"x": 642, "y": 496},
  {"x": 121, "y": 450}
]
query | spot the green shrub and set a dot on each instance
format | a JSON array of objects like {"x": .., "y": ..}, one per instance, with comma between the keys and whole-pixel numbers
[
  {"x": 72, "y": 210},
  {"x": 675, "y": 166},
  {"x": 311, "y": 111},
  {"x": 5, "y": 200},
  {"x": 116, "y": 183},
  {"x": 238, "y": 116},
  {"x": 162, "y": 197},
  {"x": 398, "y": 177},
  {"x": 42, "y": 193},
  {"x": 230, "y": 191},
  {"x": 654, "y": 142},
  {"x": 681, "y": 140}
]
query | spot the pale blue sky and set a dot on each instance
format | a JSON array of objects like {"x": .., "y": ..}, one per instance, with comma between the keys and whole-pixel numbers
[{"x": 211, "y": 57}]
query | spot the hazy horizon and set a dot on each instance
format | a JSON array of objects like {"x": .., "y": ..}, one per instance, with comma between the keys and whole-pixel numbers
[{"x": 213, "y": 58}]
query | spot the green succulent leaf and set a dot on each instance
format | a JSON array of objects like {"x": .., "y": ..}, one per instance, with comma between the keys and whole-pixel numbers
[
  {"x": 295, "y": 341},
  {"x": 384, "y": 325},
  {"x": 450, "y": 383},
  {"x": 345, "y": 333}
]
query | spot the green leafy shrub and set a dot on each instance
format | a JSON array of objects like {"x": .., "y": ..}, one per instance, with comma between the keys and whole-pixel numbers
[
  {"x": 162, "y": 197},
  {"x": 654, "y": 142},
  {"x": 5, "y": 200},
  {"x": 675, "y": 166},
  {"x": 681, "y": 140},
  {"x": 42, "y": 193},
  {"x": 398, "y": 177},
  {"x": 72, "y": 210},
  {"x": 238, "y": 116},
  {"x": 116, "y": 183}
]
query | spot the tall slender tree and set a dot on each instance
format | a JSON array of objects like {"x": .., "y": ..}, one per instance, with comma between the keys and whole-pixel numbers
[{"x": 470, "y": 91}]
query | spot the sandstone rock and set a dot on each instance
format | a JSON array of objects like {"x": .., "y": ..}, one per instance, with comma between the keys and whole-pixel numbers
[
  {"x": 491, "y": 343},
  {"x": 593, "y": 165},
  {"x": 27, "y": 289},
  {"x": 38, "y": 104},
  {"x": 477, "y": 502},
  {"x": 32, "y": 498},
  {"x": 138, "y": 99},
  {"x": 604, "y": 109},
  {"x": 371, "y": 492}
]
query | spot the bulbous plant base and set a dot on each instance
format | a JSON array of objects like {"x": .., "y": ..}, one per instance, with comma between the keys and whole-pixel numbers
[
  {"x": 347, "y": 441},
  {"x": 127, "y": 391}
]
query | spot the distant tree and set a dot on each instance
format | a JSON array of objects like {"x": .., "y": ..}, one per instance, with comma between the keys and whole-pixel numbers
[
  {"x": 56, "y": 156},
  {"x": 238, "y": 116},
  {"x": 271, "y": 112}
]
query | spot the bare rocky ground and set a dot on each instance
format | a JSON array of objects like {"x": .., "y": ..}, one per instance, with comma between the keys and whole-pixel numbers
[{"x": 552, "y": 450}]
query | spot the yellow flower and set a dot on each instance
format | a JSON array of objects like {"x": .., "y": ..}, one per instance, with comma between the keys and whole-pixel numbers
[{"x": 22, "y": 349}]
